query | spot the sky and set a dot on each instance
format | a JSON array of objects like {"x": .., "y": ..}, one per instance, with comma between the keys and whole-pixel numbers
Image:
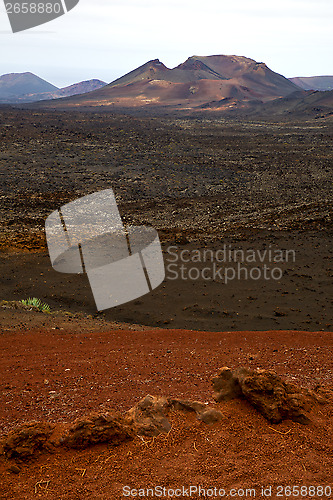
[{"x": 105, "y": 39}]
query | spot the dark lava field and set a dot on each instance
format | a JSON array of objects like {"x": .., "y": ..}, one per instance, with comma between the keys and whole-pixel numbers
[{"x": 201, "y": 182}]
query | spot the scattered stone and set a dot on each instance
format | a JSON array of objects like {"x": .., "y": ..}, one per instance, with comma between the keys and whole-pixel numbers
[
  {"x": 148, "y": 416},
  {"x": 210, "y": 416},
  {"x": 275, "y": 399},
  {"x": 14, "y": 468},
  {"x": 94, "y": 429},
  {"x": 186, "y": 405},
  {"x": 226, "y": 385},
  {"x": 204, "y": 413},
  {"x": 278, "y": 312},
  {"x": 181, "y": 239},
  {"x": 321, "y": 394},
  {"x": 27, "y": 440}
]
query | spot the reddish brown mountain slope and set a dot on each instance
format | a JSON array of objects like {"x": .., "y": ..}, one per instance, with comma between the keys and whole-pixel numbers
[{"x": 196, "y": 81}]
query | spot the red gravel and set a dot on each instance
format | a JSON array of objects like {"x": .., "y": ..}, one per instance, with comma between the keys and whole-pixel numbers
[{"x": 59, "y": 375}]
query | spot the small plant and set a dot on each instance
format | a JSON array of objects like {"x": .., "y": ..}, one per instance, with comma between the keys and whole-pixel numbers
[{"x": 37, "y": 303}]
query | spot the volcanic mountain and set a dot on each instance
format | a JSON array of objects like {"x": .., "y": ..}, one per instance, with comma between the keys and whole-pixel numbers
[
  {"x": 27, "y": 87},
  {"x": 79, "y": 88},
  {"x": 13, "y": 85},
  {"x": 197, "y": 81}
]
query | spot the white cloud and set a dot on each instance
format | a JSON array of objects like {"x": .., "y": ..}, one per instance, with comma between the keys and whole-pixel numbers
[{"x": 106, "y": 38}]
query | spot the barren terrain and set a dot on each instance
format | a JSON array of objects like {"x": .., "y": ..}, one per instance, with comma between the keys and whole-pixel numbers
[
  {"x": 66, "y": 372},
  {"x": 202, "y": 183}
]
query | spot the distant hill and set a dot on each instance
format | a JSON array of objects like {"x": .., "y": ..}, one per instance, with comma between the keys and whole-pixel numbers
[
  {"x": 13, "y": 85},
  {"x": 81, "y": 88},
  {"x": 75, "y": 89},
  {"x": 196, "y": 81},
  {"x": 233, "y": 85},
  {"x": 27, "y": 87},
  {"x": 314, "y": 82}
]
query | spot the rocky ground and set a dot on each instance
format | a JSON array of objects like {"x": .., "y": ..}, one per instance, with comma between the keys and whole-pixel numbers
[
  {"x": 182, "y": 174},
  {"x": 59, "y": 374},
  {"x": 203, "y": 184}
]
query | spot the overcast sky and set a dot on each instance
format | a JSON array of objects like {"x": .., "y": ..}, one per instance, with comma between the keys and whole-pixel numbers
[{"x": 107, "y": 38}]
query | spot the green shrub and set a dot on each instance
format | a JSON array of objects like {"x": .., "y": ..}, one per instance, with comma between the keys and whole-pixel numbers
[{"x": 37, "y": 303}]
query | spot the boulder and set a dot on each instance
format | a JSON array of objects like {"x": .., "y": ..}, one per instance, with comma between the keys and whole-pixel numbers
[
  {"x": 275, "y": 399},
  {"x": 149, "y": 416},
  {"x": 203, "y": 412},
  {"x": 28, "y": 439},
  {"x": 97, "y": 428}
]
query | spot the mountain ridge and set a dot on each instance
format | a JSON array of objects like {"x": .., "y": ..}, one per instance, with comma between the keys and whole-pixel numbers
[
  {"x": 219, "y": 83},
  {"x": 14, "y": 84},
  {"x": 28, "y": 87},
  {"x": 198, "y": 80},
  {"x": 324, "y": 82}
]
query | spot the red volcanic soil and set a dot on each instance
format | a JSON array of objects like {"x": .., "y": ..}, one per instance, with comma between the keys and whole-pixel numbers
[
  {"x": 61, "y": 372},
  {"x": 204, "y": 185}
]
